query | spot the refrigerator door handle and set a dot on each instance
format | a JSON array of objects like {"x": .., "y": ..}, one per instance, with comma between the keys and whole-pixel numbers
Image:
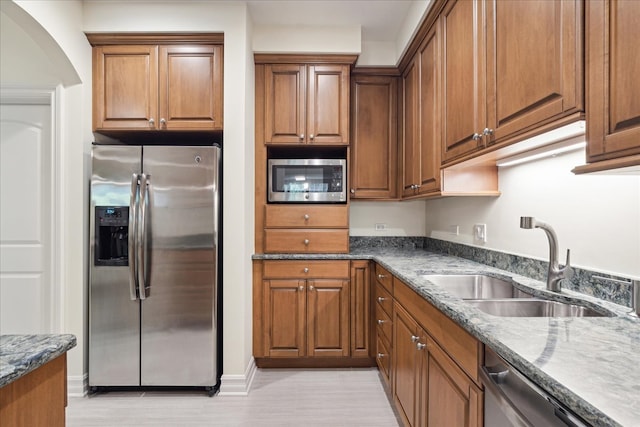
[
  {"x": 143, "y": 241},
  {"x": 133, "y": 216}
]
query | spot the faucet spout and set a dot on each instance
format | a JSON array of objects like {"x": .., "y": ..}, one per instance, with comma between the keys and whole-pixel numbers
[{"x": 555, "y": 274}]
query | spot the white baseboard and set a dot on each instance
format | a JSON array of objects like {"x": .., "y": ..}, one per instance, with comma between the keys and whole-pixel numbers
[
  {"x": 77, "y": 385},
  {"x": 238, "y": 385}
]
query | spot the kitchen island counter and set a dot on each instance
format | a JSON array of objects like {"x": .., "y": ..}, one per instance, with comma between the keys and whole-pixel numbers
[{"x": 589, "y": 364}]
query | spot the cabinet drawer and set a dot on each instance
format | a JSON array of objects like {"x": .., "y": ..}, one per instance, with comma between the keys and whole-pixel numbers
[
  {"x": 384, "y": 278},
  {"x": 383, "y": 323},
  {"x": 306, "y": 241},
  {"x": 384, "y": 299},
  {"x": 383, "y": 359},
  {"x": 309, "y": 216},
  {"x": 300, "y": 269}
]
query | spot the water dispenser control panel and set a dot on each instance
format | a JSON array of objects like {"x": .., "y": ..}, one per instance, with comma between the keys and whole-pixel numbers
[{"x": 112, "y": 235}]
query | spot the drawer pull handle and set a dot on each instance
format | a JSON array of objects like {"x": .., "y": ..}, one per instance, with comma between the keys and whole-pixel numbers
[
  {"x": 381, "y": 276},
  {"x": 420, "y": 346},
  {"x": 414, "y": 338},
  {"x": 381, "y": 322},
  {"x": 306, "y": 242},
  {"x": 306, "y": 270},
  {"x": 380, "y": 299},
  {"x": 306, "y": 217}
]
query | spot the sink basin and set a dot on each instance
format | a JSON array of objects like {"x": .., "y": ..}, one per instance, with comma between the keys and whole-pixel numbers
[
  {"x": 533, "y": 308},
  {"x": 476, "y": 286}
]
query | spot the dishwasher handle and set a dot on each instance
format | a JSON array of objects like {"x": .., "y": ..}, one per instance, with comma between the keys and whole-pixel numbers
[{"x": 508, "y": 408}]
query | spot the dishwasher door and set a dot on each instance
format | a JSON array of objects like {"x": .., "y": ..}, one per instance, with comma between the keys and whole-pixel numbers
[{"x": 510, "y": 399}]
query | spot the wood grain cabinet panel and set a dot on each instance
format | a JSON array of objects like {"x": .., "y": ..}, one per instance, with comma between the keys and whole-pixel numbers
[
  {"x": 307, "y": 104},
  {"x": 374, "y": 137},
  {"x": 360, "y": 310},
  {"x": 612, "y": 85},
  {"x": 284, "y": 316},
  {"x": 328, "y": 318},
  {"x": 306, "y": 240},
  {"x": 309, "y": 216},
  {"x": 157, "y": 87}
]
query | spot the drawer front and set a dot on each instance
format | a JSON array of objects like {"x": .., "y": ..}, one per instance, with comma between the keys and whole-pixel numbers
[
  {"x": 384, "y": 278},
  {"x": 306, "y": 241},
  {"x": 383, "y": 359},
  {"x": 310, "y": 216},
  {"x": 301, "y": 269},
  {"x": 383, "y": 323},
  {"x": 384, "y": 299}
]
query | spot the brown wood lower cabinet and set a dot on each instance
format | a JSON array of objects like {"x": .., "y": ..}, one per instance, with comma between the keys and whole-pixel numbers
[
  {"x": 430, "y": 388},
  {"x": 312, "y": 310}
]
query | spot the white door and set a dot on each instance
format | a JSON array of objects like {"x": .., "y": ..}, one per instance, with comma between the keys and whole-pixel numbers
[{"x": 26, "y": 210}]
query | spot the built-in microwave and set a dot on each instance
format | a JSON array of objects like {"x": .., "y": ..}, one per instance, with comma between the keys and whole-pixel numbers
[{"x": 307, "y": 181}]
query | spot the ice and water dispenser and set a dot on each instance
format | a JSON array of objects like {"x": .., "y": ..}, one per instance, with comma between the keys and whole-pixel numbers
[{"x": 112, "y": 236}]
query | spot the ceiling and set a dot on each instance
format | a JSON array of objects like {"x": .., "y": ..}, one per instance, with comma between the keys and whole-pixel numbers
[{"x": 380, "y": 20}]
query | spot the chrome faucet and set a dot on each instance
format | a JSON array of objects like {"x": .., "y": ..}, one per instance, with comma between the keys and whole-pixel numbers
[{"x": 556, "y": 274}]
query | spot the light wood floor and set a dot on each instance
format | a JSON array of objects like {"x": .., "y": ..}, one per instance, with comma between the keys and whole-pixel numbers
[{"x": 278, "y": 397}]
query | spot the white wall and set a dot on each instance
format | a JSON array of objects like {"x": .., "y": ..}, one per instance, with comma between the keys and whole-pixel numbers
[
  {"x": 400, "y": 218},
  {"x": 596, "y": 216},
  {"x": 304, "y": 39}
]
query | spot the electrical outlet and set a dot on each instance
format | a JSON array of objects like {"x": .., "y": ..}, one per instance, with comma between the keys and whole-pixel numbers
[
  {"x": 480, "y": 232},
  {"x": 380, "y": 227}
]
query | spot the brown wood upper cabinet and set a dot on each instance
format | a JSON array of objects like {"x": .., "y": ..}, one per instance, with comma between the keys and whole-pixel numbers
[
  {"x": 157, "y": 87},
  {"x": 613, "y": 67},
  {"x": 307, "y": 104},
  {"x": 374, "y": 137},
  {"x": 504, "y": 75}
]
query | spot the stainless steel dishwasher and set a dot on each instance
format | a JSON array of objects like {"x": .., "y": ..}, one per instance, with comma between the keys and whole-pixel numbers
[{"x": 510, "y": 399}]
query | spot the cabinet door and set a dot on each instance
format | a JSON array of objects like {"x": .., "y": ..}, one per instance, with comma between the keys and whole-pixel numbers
[
  {"x": 360, "y": 308},
  {"x": 285, "y": 100},
  {"x": 411, "y": 121},
  {"x": 374, "y": 141},
  {"x": 190, "y": 91},
  {"x": 452, "y": 400},
  {"x": 405, "y": 364},
  {"x": 613, "y": 82},
  {"x": 284, "y": 318},
  {"x": 463, "y": 77},
  {"x": 430, "y": 131},
  {"x": 328, "y": 318},
  {"x": 532, "y": 79},
  {"x": 125, "y": 87},
  {"x": 328, "y": 105}
]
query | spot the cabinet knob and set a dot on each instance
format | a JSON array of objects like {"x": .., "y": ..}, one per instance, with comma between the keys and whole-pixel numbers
[
  {"x": 301, "y": 288},
  {"x": 380, "y": 322},
  {"x": 381, "y": 276},
  {"x": 301, "y": 137},
  {"x": 311, "y": 287},
  {"x": 353, "y": 191},
  {"x": 306, "y": 242},
  {"x": 311, "y": 136},
  {"x": 476, "y": 137},
  {"x": 306, "y": 270},
  {"x": 306, "y": 217},
  {"x": 420, "y": 346},
  {"x": 152, "y": 123},
  {"x": 381, "y": 355},
  {"x": 163, "y": 122},
  {"x": 487, "y": 132},
  {"x": 380, "y": 299},
  {"x": 414, "y": 338}
]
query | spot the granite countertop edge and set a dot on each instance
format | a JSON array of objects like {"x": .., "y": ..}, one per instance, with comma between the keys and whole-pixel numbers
[
  {"x": 409, "y": 264},
  {"x": 21, "y": 354}
]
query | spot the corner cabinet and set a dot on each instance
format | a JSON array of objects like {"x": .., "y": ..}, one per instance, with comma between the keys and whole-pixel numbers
[
  {"x": 306, "y": 102},
  {"x": 613, "y": 67},
  {"x": 141, "y": 84},
  {"x": 374, "y": 137}
]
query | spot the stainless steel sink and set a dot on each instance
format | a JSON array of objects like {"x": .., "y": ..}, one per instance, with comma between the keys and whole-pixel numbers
[
  {"x": 476, "y": 286},
  {"x": 533, "y": 308}
]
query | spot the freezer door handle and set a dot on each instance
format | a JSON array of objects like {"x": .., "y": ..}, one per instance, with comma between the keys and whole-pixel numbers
[
  {"x": 133, "y": 215},
  {"x": 143, "y": 241}
]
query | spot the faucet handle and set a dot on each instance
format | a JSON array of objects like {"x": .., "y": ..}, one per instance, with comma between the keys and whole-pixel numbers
[{"x": 567, "y": 270}]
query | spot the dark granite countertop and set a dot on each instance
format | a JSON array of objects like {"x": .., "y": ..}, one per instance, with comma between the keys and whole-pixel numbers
[
  {"x": 21, "y": 354},
  {"x": 590, "y": 364}
]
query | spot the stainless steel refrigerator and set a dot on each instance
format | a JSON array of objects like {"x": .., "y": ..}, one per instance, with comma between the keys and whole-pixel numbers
[{"x": 153, "y": 297}]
